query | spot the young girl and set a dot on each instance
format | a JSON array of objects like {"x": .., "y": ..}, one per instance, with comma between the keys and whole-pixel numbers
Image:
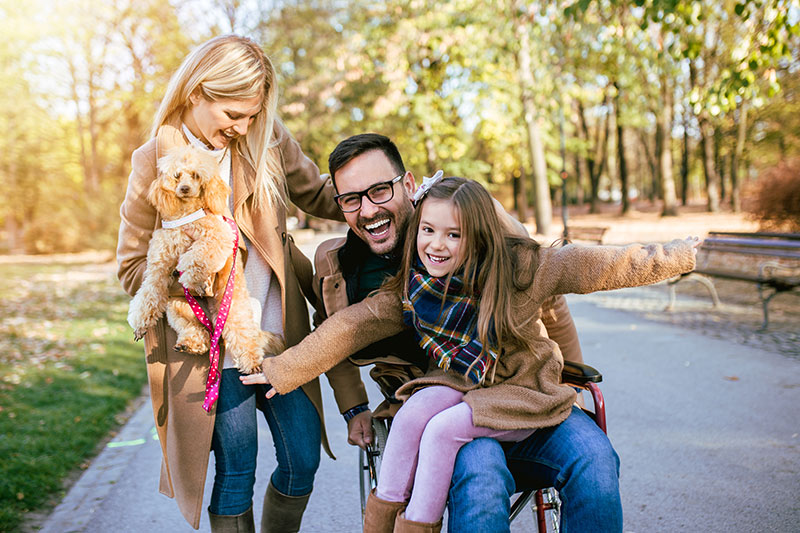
[{"x": 473, "y": 295}]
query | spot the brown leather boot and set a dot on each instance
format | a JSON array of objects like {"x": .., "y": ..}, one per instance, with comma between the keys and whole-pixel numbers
[
  {"x": 242, "y": 523},
  {"x": 282, "y": 513},
  {"x": 379, "y": 515},
  {"x": 402, "y": 525}
]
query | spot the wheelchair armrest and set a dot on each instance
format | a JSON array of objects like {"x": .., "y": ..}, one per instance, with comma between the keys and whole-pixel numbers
[{"x": 580, "y": 374}]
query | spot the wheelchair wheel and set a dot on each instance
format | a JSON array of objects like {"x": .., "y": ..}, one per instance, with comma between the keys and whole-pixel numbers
[
  {"x": 544, "y": 504},
  {"x": 370, "y": 461}
]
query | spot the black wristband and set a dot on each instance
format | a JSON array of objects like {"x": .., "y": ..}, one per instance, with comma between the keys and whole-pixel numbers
[{"x": 351, "y": 413}]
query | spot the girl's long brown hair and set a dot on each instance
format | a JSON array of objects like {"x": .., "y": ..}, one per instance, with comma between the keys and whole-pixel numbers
[{"x": 486, "y": 258}]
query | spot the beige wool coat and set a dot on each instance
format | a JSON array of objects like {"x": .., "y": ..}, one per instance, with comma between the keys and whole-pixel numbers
[
  {"x": 330, "y": 288},
  {"x": 526, "y": 392},
  {"x": 177, "y": 380}
]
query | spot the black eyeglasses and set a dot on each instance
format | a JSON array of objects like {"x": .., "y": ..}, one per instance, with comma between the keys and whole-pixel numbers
[{"x": 380, "y": 193}]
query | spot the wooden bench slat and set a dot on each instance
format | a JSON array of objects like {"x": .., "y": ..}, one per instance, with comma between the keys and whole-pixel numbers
[
  {"x": 790, "y": 253},
  {"x": 758, "y": 234},
  {"x": 753, "y": 243},
  {"x": 782, "y": 248}
]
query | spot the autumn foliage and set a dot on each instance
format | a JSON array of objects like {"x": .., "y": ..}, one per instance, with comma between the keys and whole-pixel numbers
[{"x": 774, "y": 199}]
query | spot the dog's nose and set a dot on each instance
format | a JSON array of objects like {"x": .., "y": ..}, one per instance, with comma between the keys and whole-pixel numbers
[{"x": 184, "y": 189}]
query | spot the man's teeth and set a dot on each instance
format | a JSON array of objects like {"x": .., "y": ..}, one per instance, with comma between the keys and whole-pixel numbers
[{"x": 376, "y": 225}]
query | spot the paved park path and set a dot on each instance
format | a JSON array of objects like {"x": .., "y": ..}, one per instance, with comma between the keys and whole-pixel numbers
[{"x": 708, "y": 432}]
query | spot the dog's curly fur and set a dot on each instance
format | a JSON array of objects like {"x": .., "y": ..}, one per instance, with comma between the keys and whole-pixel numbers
[{"x": 188, "y": 180}]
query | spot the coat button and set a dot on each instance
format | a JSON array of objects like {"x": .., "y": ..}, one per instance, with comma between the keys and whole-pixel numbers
[
  {"x": 335, "y": 285},
  {"x": 283, "y": 237}
]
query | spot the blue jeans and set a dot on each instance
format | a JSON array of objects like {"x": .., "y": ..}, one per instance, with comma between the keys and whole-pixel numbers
[
  {"x": 575, "y": 457},
  {"x": 295, "y": 427}
]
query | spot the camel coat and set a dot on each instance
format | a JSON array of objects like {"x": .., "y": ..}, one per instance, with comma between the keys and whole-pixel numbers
[
  {"x": 177, "y": 381},
  {"x": 526, "y": 390},
  {"x": 331, "y": 292}
]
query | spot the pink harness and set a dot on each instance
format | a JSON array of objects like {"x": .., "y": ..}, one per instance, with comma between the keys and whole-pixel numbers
[{"x": 212, "y": 384}]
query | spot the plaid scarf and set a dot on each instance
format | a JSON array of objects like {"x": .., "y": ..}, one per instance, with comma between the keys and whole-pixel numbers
[{"x": 449, "y": 333}]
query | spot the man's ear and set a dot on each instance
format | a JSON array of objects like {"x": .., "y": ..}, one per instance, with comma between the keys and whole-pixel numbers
[{"x": 409, "y": 184}]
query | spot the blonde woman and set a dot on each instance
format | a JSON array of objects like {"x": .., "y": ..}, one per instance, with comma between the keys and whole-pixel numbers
[{"x": 223, "y": 99}]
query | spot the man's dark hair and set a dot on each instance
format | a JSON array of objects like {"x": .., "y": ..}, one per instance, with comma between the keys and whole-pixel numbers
[{"x": 358, "y": 144}]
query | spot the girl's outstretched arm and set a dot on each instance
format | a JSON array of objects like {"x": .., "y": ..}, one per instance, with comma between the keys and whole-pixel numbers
[
  {"x": 341, "y": 335},
  {"x": 585, "y": 269}
]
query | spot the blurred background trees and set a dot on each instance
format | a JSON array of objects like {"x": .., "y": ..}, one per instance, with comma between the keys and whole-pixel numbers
[{"x": 660, "y": 102}]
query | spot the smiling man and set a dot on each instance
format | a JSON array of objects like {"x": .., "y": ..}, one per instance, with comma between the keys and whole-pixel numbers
[{"x": 374, "y": 192}]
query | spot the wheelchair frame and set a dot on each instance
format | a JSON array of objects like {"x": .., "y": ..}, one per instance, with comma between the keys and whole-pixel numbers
[{"x": 543, "y": 501}]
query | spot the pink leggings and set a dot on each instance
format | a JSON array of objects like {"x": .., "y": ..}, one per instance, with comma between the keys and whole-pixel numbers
[{"x": 427, "y": 433}]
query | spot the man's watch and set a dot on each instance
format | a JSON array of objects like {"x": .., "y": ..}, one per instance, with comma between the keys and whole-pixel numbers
[{"x": 352, "y": 412}]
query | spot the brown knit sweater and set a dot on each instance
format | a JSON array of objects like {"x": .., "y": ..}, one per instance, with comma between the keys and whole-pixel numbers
[{"x": 526, "y": 391}]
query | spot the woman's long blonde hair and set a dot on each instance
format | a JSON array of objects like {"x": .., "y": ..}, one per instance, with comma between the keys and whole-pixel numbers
[
  {"x": 486, "y": 258},
  {"x": 234, "y": 67}
]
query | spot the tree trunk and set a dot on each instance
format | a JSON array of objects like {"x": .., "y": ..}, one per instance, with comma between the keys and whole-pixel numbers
[
  {"x": 719, "y": 165},
  {"x": 709, "y": 168},
  {"x": 649, "y": 189},
  {"x": 623, "y": 169},
  {"x": 736, "y": 157},
  {"x": 665, "y": 155},
  {"x": 521, "y": 196},
  {"x": 580, "y": 173},
  {"x": 541, "y": 187},
  {"x": 685, "y": 159},
  {"x": 597, "y": 151},
  {"x": 430, "y": 146}
]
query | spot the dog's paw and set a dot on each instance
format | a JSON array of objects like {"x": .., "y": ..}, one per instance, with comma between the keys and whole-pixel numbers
[
  {"x": 192, "y": 344},
  {"x": 141, "y": 324},
  {"x": 249, "y": 363},
  {"x": 273, "y": 344},
  {"x": 197, "y": 283}
]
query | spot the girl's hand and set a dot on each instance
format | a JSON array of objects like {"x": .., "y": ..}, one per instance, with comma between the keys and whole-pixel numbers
[
  {"x": 258, "y": 379},
  {"x": 695, "y": 242}
]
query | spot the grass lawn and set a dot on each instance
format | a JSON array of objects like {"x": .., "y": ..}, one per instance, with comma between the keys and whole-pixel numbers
[{"x": 68, "y": 368}]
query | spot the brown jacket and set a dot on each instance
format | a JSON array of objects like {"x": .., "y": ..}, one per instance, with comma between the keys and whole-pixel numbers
[
  {"x": 177, "y": 381},
  {"x": 331, "y": 293},
  {"x": 526, "y": 391}
]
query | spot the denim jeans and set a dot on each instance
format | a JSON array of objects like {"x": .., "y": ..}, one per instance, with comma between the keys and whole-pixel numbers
[
  {"x": 575, "y": 457},
  {"x": 295, "y": 427}
]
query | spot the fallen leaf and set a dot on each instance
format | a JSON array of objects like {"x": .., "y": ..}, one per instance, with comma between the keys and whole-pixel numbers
[{"x": 732, "y": 378}]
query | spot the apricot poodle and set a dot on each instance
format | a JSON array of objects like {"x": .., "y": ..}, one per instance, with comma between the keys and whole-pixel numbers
[{"x": 188, "y": 180}]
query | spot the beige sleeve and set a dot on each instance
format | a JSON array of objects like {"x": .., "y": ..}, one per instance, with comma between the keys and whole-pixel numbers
[
  {"x": 561, "y": 328},
  {"x": 307, "y": 189},
  {"x": 513, "y": 225},
  {"x": 137, "y": 220},
  {"x": 347, "y": 331},
  {"x": 584, "y": 269}
]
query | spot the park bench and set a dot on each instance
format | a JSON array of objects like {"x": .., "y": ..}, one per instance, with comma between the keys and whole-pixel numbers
[
  {"x": 593, "y": 234},
  {"x": 770, "y": 260}
]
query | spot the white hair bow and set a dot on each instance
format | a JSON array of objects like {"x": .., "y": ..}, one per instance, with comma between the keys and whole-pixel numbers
[{"x": 426, "y": 185}]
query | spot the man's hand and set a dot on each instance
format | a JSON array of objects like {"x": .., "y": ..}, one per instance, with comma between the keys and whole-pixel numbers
[{"x": 359, "y": 430}]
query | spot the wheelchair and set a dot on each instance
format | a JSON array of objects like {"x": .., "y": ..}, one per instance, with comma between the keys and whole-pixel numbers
[{"x": 544, "y": 502}]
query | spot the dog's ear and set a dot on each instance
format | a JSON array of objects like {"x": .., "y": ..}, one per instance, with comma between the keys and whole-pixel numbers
[
  {"x": 215, "y": 194},
  {"x": 165, "y": 201}
]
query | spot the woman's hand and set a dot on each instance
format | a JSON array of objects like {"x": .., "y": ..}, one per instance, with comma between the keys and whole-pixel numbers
[{"x": 258, "y": 379}]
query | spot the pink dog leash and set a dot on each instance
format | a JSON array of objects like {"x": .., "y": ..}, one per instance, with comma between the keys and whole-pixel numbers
[{"x": 212, "y": 384}]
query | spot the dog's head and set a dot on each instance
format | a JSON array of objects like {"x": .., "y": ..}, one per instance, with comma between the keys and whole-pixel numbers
[{"x": 188, "y": 180}]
